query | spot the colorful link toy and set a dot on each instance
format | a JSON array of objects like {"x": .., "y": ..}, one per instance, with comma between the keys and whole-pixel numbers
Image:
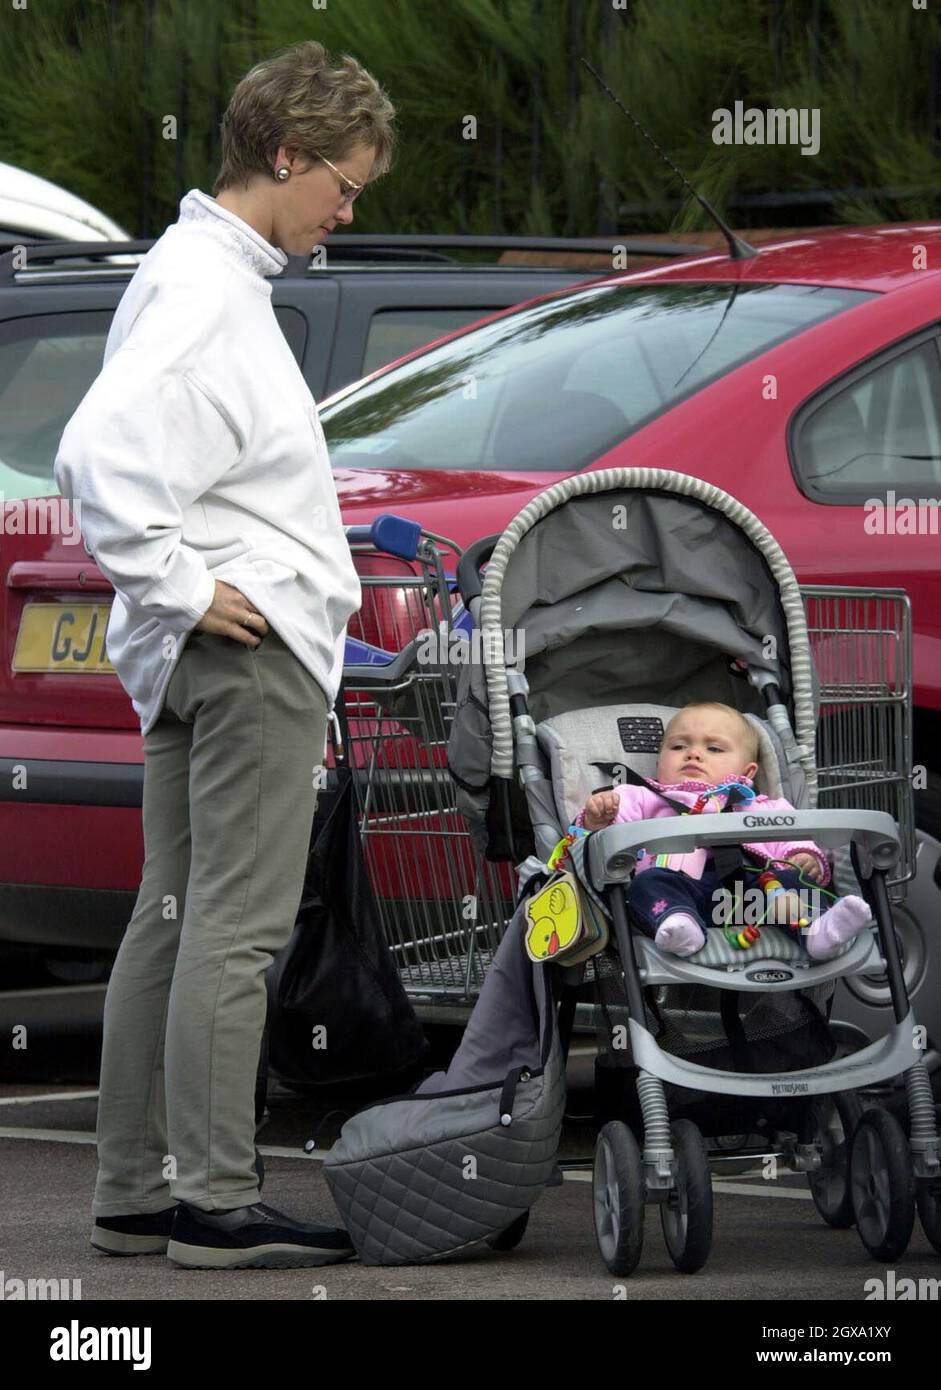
[
  {"x": 743, "y": 939},
  {"x": 745, "y": 796},
  {"x": 575, "y": 832},
  {"x": 773, "y": 888}
]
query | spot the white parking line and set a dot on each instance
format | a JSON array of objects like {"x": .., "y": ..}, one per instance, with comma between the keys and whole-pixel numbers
[
  {"x": 52, "y": 1095},
  {"x": 85, "y": 1136},
  {"x": 731, "y": 1189},
  {"x": 767, "y": 1189},
  {"x": 58, "y": 1136},
  {"x": 734, "y": 1189},
  {"x": 277, "y": 1151}
]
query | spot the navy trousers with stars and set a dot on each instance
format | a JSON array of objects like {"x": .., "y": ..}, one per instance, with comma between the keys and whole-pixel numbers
[{"x": 656, "y": 893}]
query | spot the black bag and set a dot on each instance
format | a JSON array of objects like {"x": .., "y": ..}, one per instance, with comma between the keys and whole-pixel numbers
[{"x": 337, "y": 973}]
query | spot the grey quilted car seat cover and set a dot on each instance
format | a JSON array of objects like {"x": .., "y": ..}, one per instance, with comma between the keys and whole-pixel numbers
[{"x": 427, "y": 1175}]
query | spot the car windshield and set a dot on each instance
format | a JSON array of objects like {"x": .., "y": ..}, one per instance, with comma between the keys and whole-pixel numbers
[{"x": 553, "y": 386}]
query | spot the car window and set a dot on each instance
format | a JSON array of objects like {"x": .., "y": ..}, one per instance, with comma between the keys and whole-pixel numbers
[
  {"x": 553, "y": 385},
  {"x": 47, "y": 364},
  {"x": 394, "y": 332},
  {"x": 881, "y": 430}
]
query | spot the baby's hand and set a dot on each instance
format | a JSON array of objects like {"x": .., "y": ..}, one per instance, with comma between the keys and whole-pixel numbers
[
  {"x": 808, "y": 864},
  {"x": 600, "y": 810}
]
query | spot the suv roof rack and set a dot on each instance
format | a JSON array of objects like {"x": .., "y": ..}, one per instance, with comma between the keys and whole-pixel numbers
[
  {"x": 421, "y": 242},
  {"x": 360, "y": 246},
  {"x": 39, "y": 251}
]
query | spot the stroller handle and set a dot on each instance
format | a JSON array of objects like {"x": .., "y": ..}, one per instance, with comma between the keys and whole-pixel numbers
[{"x": 469, "y": 567}]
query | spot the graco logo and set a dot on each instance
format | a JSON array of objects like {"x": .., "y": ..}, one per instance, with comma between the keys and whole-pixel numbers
[
  {"x": 769, "y": 820},
  {"x": 770, "y": 977}
]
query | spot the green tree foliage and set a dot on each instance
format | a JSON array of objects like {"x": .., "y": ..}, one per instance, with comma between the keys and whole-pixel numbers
[{"x": 502, "y": 128}]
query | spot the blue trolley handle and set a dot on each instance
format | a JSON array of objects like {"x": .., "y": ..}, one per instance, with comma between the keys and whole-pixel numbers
[{"x": 395, "y": 535}]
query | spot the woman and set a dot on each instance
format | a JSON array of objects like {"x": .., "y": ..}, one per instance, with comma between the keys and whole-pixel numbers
[{"x": 201, "y": 474}]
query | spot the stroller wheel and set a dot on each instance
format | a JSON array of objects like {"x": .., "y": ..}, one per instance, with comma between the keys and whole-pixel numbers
[
  {"x": 510, "y": 1237},
  {"x": 618, "y": 1194},
  {"x": 882, "y": 1184},
  {"x": 833, "y": 1120},
  {"x": 686, "y": 1215},
  {"x": 928, "y": 1198}
]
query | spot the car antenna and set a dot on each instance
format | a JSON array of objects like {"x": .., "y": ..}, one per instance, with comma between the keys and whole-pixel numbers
[{"x": 738, "y": 249}]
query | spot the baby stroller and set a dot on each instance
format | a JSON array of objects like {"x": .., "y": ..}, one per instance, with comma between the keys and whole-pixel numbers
[{"x": 630, "y": 593}]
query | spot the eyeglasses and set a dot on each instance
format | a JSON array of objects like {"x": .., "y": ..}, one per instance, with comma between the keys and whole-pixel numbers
[{"x": 345, "y": 183}]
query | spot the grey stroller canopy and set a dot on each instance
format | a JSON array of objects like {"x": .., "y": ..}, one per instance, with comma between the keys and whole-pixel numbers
[{"x": 628, "y": 586}]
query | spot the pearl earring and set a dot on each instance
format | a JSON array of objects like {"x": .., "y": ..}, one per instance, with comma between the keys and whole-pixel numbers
[{"x": 283, "y": 173}]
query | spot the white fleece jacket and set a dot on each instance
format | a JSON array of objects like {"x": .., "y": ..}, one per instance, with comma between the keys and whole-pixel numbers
[{"x": 197, "y": 454}]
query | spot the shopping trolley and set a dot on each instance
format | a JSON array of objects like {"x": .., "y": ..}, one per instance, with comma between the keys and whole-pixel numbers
[
  {"x": 442, "y": 908},
  {"x": 861, "y": 641}
]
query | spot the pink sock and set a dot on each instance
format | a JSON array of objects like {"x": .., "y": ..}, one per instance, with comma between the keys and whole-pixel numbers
[
  {"x": 680, "y": 934},
  {"x": 833, "y": 928}
]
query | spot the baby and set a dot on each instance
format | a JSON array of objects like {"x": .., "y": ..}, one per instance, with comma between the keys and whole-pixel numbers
[{"x": 710, "y": 746}]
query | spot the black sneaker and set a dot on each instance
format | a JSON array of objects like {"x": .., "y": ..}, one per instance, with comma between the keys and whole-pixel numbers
[
  {"x": 254, "y": 1237},
  {"x": 133, "y": 1235},
  {"x": 145, "y": 1235}
]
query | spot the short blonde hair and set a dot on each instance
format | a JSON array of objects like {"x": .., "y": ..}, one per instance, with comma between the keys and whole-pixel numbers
[
  {"x": 298, "y": 99},
  {"x": 748, "y": 731}
]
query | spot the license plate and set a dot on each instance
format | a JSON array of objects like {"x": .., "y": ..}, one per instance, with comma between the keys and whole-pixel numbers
[{"x": 63, "y": 637}]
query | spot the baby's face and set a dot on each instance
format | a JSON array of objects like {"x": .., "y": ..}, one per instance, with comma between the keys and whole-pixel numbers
[{"x": 705, "y": 745}]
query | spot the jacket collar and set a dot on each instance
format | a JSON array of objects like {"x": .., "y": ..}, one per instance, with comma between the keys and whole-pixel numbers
[
  {"x": 692, "y": 785},
  {"x": 235, "y": 237}
]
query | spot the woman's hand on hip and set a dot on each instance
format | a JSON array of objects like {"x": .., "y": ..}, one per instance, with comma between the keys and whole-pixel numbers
[{"x": 231, "y": 615}]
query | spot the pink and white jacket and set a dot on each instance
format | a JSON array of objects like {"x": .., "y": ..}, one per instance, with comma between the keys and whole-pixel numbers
[{"x": 639, "y": 803}]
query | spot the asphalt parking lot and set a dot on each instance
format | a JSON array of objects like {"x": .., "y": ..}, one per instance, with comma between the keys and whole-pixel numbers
[{"x": 769, "y": 1244}]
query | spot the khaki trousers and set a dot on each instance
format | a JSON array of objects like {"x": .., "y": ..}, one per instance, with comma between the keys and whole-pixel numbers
[{"x": 229, "y": 801}]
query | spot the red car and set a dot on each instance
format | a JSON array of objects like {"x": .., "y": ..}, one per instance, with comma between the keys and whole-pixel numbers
[{"x": 806, "y": 381}]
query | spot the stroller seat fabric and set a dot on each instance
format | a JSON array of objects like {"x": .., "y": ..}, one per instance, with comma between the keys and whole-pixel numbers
[{"x": 630, "y": 735}]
